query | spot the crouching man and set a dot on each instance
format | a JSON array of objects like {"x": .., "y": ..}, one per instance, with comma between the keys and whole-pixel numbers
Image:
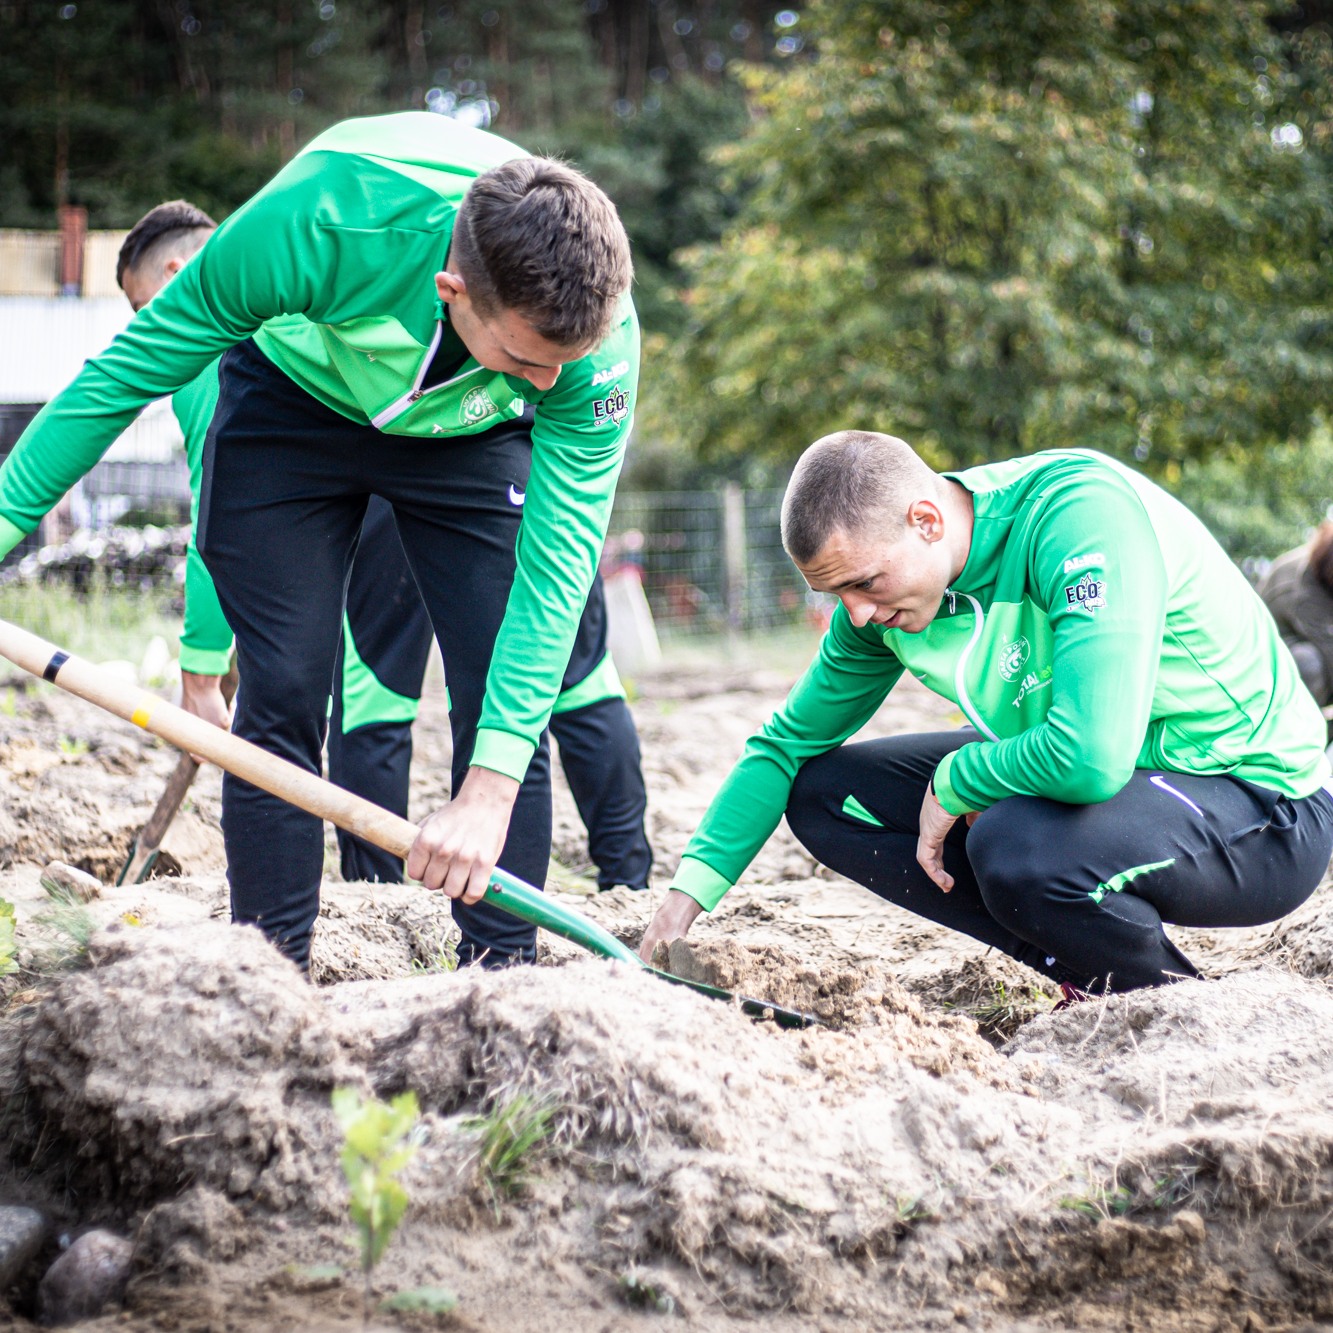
[{"x": 1141, "y": 748}]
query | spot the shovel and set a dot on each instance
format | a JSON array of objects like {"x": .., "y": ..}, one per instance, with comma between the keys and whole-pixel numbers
[
  {"x": 148, "y": 841},
  {"x": 318, "y": 797}
]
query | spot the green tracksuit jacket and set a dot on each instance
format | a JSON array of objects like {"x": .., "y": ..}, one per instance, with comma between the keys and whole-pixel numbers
[
  {"x": 1096, "y": 628},
  {"x": 346, "y": 241}
]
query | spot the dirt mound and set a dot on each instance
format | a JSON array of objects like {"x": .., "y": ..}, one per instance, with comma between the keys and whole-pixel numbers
[
  {"x": 840, "y": 997},
  {"x": 194, "y": 1054},
  {"x": 762, "y": 1160}
]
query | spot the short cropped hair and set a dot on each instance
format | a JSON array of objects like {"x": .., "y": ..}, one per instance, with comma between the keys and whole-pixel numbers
[
  {"x": 177, "y": 226},
  {"x": 537, "y": 237},
  {"x": 854, "y": 481}
]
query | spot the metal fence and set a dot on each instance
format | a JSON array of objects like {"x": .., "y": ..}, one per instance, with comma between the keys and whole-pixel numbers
[{"x": 711, "y": 561}]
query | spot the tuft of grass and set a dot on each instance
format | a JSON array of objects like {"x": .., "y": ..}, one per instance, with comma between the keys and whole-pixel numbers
[
  {"x": 639, "y": 1293},
  {"x": 509, "y": 1138},
  {"x": 103, "y": 623},
  {"x": 72, "y": 746},
  {"x": 912, "y": 1209},
  {"x": 8, "y": 938},
  {"x": 439, "y": 955},
  {"x": 69, "y": 926},
  {"x": 1109, "y": 1199},
  {"x": 1001, "y": 1012}
]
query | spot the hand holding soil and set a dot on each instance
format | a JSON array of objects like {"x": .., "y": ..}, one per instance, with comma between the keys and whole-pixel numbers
[
  {"x": 459, "y": 844},
  {"x": 671, "y": 921}
]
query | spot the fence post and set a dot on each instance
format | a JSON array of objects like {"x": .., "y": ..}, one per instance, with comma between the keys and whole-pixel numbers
[{"x": 733, "y": 553}]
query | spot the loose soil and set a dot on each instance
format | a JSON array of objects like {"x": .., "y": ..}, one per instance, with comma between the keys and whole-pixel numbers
[{"x": 945, "y": 1151}]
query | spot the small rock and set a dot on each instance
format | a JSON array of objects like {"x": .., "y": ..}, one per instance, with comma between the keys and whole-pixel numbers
[
  {"x": 22, "y": 1231},
  {"x": 1191, "y": 1225},
  {"x": 90, "y": 1274},
  {"x": 67, "y": 884}
]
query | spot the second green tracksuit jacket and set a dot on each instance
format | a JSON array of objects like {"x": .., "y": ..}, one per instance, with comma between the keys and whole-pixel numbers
[{"x": 1097, "y": 627}]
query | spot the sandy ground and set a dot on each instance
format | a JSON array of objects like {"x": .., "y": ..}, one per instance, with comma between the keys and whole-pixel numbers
[{"x": 944, "y": 1152}]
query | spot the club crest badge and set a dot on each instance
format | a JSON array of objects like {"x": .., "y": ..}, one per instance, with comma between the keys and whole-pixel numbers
[
  {"x": 1013, "y": 658},
  {"x": 477, "y": 406}
]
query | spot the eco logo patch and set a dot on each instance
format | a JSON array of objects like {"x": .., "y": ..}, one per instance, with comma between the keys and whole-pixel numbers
[
  {"x": 477, "y": 406},
  {"x": 1013, "y": 658},
  {"x": 1088, "y": 594},
  {"x": 614, "y": 407}
]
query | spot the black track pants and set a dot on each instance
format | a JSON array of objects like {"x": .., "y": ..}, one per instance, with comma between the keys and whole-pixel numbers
[
  {"x": 1078, "y": 892},
  {"x": 285, "y": 489},
  {"x": 392, "y": 634},
  {"x": 599, "y": 746},
  {"x": 599, "y": 752}
]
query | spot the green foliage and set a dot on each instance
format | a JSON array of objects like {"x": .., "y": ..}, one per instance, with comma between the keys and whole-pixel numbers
[
  {"x": 8, "y": 942},
  {"x": 640, "y": 1292},
  {"x": 508, "y": 1137},
  {"x": 377, "y": 1145},
  {"x": 1261, "y": 502},
  {"x": 1002, "y": 225},
  {"x": 103, "y": 623},
  {"x": 442, "y": 956},
  {"x": 1110, "y": 1199},
  {"x": 68, "y": 926}
]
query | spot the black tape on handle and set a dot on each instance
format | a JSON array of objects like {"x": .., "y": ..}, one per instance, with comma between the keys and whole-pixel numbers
[{"x": 58, "y": 659}]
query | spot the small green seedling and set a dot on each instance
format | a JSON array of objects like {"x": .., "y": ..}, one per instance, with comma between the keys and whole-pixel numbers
[
  {"x": 639, "y": 1292},
  {"x": 8, "y": 943},
  {"x": 9, "y": 703},
  {"x": 508, "y": 1138},
  {"x": 72, "y": 746},
  {"x": 377, "y": 1145},
  {"x": 421, "y": 1300}
]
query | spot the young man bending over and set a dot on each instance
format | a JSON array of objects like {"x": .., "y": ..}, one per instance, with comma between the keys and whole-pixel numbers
[{"x": 1141, "y": 748}]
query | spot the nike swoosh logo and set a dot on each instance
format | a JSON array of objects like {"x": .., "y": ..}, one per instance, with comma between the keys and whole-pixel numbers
[
  {"x": 516, "y": 497},
  {"x": 1162, "y": 784}
]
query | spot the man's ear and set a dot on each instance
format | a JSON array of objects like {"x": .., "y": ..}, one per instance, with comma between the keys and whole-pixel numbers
[
  {"x": 172, "y": 266},
  {"x": 450, "y": 286},
  {"x": 926, "y": 518}
]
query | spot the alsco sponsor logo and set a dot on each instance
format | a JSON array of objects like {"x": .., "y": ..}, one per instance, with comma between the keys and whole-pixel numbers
[
  {"x": 1083, "y": 561},
  {"x": 614, "y": 407},
  {"x": 614, "y": 373},
  {"x": 1013, "y": 657},
  {"x": 1088, "y": 594}
]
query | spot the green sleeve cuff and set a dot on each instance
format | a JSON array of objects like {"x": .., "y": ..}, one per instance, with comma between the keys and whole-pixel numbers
[
  {"x": 206, "y": 661},
  {"x": 944, "y": 792},
  {"x": 10, "y": 536},
  {"x": 701, "y": 882},
  {"x": 502, "y": 752}
]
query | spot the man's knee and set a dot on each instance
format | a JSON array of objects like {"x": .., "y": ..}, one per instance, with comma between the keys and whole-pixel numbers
[{"x": 1014, "y": 856}]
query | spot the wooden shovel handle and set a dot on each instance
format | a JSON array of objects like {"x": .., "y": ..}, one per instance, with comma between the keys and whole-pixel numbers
[{"x": 195, "y": 736}]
